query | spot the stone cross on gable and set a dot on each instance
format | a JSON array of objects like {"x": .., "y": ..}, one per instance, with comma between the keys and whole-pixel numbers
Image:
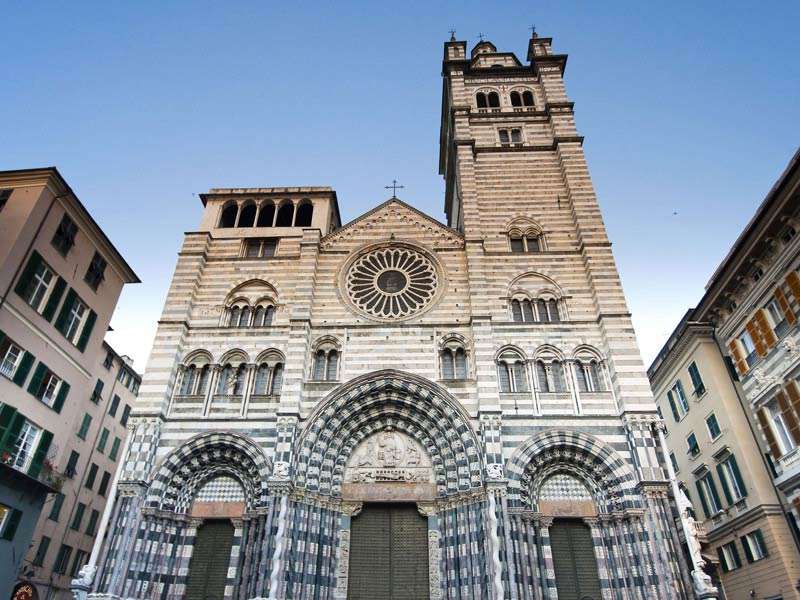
[{"x": 394, "y": 187}]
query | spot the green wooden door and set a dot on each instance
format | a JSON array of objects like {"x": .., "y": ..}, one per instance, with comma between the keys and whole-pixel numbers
[
  {"x": 388, "y": 553},
  {"x": 208, "y": 568},
  {"x": 574, "y": 561}
]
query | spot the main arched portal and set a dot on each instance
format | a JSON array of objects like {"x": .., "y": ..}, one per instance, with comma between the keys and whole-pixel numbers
[{"x": 388, "y": 447}]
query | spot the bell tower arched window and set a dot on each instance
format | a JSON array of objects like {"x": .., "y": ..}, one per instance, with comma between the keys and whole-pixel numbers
[
  {"x": 494, "y": 100},
  {"x": 550, "y": 376},
  {"x": 285, "y": 216},
  {"x": 480, "y": 100},
  {"x": 266, "y": 215},
  {"x": 304, "y": 214},
  {"x": 269, "y": 375},
  {"x": 228, "y": 216},
  {"x": 589, "y": 374},
  {"x": 247, "y": 215}
]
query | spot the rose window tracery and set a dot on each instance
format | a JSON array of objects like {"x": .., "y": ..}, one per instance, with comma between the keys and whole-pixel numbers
[{"x": 392, "y": 282}]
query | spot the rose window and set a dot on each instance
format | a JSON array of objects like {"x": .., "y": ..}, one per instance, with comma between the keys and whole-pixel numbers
[{"x": 393, "y": 282}]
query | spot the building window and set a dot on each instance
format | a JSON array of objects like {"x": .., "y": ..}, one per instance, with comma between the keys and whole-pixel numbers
[
  {"x": 77, "y": 518},
  {"x": 788, "y": 234},
  {"x": 104, "y": 481},
  {"x": 75, "y": 318},
  {"x": 677, "y": 401},
  {"x": 38, "y": 290},
  {"x": 729, "y": 557},
  {"x": 784, "y": 439},
  {"x": 62, "y": 559},
  {"x": 114, "y": 449},
  {"x": 72, "y": 464},
  {"x": 4, "y": 196},
  {"x": 731, "y": 478},
  {"x": 41, "y": 551},
  {"x": 453, "y": 361},
  {"x": 126, "y": 413},
  {"x": 48, "y": 387},
  {"x": 535, "y": 311},
  {"x": 263, "y": 315},
  {"x": 25, "y": 445},
  {"x": 709, "y": 497},
  {"x": 713, "y": 427},
  {"x": 97, "y": 392},
  {"x": 512, "y": 375},
  {"x": 326, "y": 364},
  {"x": 697, "y": 381},
  {"x": 64, "y": 238},
  {"x": 80, "y": 560},
  {"x": 9, "y": 521},
  {"x": 231, "y": 380},
  {"x": 228, "y": 215},
  {"x": 269, "y": 378},
  {"x": 525, "y": 243},
  {"x": 55, "y": 510},
  {"x": 510, "y": 136},
  {"x": 108, "y": 362},
  {"x": 112, "y": 409},
  {"x": 103, "y": 440},
  {"x": 590, "y": 376},
  {"x": 749, "y": 348},
  {"x": 91, "y": 526},
  {"x": 674, "y": 462},
  {"x": 550, "y": 377},
  {"x": 260, "y": 247},
  {"x": 96, "y": 271},
  {"x": 754, "y": 547},
  {"x": 693, "y": 448},
  {"x": 84, "y": 428},
  {"x": 777, "y": 317},
  {"x": 90, "y": 479},
  {"x": 11, "y": 358}
]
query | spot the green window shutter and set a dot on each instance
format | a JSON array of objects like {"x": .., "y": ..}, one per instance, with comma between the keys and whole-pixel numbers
[
  {"x": 55, "y": 298},
  {"x": 713, "y": 487},
  {"x": 673, "y": 407},
  {"x": 55, "y": 510},
  {"x": 35, "y": 386},
  {"x": 2, "y": 337},
  {"x": 87, "y": 330},
  {"x": 703, "y": 500},
  {"x": 747, "y": 552},
  {"x": 26, "y": 278},
  {"x": 736, "y": 558},
  {"x": 724, "y": 482},
  {"x": 722, "y": 562},
  {"x": 40, "y": 454},
  {"x": 12, "y": 433},
  {"x": 7, "y": 414},
  {"x": 11, "y": 526},
  {"x": 63, "y": 390},
  {"x": 61, "y": 321},
  {"x": 23, "y": 369},
  {"x": 737, "y": 474},
  {"x": 760, "y": 539}
]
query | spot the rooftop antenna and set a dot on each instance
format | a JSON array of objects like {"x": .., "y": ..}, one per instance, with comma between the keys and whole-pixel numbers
[
  {"x": 452, "y": 35},
  {"x": 480, "y": 36},
  {"x": 533, "y": 31},
  {"x": 394, "y": 187}
]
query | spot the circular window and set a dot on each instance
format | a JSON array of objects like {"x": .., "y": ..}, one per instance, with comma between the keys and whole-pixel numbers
[{"x": 393, "y": 282}]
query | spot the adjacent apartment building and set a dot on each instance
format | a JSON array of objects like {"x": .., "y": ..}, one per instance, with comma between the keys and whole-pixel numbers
[
  {"x": 60, "y": 279},
  {"x": 749, "y": 547},
  {"x": 726, "y": 382}
]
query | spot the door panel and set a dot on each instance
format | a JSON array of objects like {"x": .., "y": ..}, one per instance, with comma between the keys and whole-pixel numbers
[
  {"x": 574, "y": 561},
  {"x": 388, "y": 553},
  {"x": 208, "y": 568}
]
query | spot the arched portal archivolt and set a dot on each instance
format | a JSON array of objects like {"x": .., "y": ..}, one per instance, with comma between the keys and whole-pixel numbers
[
  {"x": 206, "y": 456},
  {"x": 377, "y": 402},
  {"x": 589, "y": 460}
]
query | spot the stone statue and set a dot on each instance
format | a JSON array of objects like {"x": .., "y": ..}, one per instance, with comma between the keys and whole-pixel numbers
[{"x": 82, "y": 584}]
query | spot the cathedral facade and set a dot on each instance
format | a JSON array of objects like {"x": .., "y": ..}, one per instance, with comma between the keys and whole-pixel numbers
[{"x": 399, "y": 408}]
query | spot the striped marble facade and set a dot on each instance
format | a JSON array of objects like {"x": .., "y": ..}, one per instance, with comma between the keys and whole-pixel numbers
[{"x": 491, "y": 452}]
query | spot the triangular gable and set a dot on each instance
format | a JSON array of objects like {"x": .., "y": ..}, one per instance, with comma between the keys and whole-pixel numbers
[{"x": 405, "y": 212}]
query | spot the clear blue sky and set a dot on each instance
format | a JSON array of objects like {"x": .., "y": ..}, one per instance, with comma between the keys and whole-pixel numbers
[{"x": 687, "y": 107}]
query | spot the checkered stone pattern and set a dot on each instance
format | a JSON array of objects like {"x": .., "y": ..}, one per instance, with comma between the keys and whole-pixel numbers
[
  {"x": 644, "y": 443},
  {"x": 144, "y": 439},
  {"x": 221, "y": 489},
  {"x": 370, "y": 404},
  {"x": 563, "y": 487}
]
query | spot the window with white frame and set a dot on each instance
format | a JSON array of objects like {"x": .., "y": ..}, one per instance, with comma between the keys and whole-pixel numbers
[
  {"x": 709, "y": 497},
  {"x": 754, "y": 546},
  {"x": 732, "y": 482},
  {"x": 40, "y": 286},
  {"x": 782, "y": 436},
  {"x": 749, "y": 348},
  {"x": 677, "y": 401},
  {"x": 512, "y": 375},
  {"x": 712, "y": 424},
  {"x": 729, "y": 557},
  {"x": 75, "y": 319},
  {"x": 10, "y": 357},
  {"x": 49, "y": 388},
  {"x": 25, "y": 445},
  {"x": 777, "y": 317}
]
